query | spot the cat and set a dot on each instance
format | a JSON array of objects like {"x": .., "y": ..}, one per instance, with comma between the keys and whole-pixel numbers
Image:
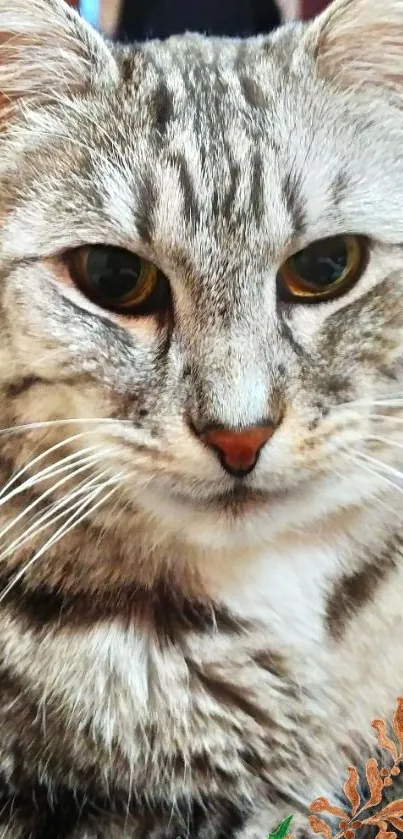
[{"x": 201, "y": 409}]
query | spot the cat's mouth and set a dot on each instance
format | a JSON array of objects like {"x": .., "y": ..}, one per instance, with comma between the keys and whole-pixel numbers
[
  {"x": 240, "y": 498},
  {"x": 237, "y": 500}
]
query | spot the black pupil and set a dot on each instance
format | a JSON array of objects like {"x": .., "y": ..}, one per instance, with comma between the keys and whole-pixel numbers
[
  {"x": 322, "y": 263},
  {"x": 113, "y": 273}
]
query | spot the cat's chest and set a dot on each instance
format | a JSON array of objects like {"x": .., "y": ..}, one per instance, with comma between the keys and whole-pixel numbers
[
  {"x": 138, "y": 710},
  {"x": 123, "y": 682},
  {"x": 150, "y": 702},
  {"x": 285, "y": 588},
  {"x": 141, "y": 712}
]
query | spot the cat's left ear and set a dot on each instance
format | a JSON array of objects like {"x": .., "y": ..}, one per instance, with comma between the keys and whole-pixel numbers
[
  {"x": 45, "y": 48},
  {"x": 360, "y": 43}
]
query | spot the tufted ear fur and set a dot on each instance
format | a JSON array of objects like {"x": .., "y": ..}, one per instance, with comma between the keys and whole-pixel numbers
[
  {"x": 46, "y": 47},
  {"x": 359, "y": 43}
]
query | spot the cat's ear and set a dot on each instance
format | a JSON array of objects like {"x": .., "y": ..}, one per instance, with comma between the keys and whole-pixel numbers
[
  {"x": 360, "y": 43},
  {"x": 45, "y": 48}
]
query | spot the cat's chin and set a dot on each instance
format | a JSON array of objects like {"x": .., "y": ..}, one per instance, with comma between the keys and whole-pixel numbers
[
  {"x": 246, "y": 516},
  {"x": 241, "y": 516},
  {"x": 238, "y": 501}
]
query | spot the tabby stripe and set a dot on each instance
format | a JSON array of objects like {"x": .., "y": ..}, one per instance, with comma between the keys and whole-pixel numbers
[
  {"x": 257, "y": 187},
  {"x": 293, "y": 201},
  {"x": 232, "y": 696},
  {"x": 161, "y": 610},
  {"x": 354, "y": 591},
  {"x": 191, "y": 208}
]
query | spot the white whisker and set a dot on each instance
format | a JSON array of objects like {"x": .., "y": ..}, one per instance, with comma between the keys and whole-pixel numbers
[
  {"x": 387, "y": 441},
  {"x": 41, "y": 498},
  {"x": 385, "y": 466},
  {"x": 51, "y": 472},
  {"x": 396, "y": 397},
  {"x": 49, "y": 492},
  {"x": 376, "y": 498},
  {"x": 373, "y": 472},
  {"x": 32, "y": 426},
  {"x": 50, "y": 354},
  {"x": 386, "y": 418},
  {"x": 388, "y": 403},
  {"x": 73, "y": 521},
  {"x": 51, "y": 516},
  {"x": 44, "y": 454}
]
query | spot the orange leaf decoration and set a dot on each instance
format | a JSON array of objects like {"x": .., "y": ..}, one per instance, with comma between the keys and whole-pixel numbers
[
  {"x": 384, "y": 741},
  {"x": 391, "y": 810},
  {"x": 350, "y": 789},
  {"x": 349, "y": 834},
  {"x": 319, "y": 826},
  {"x": 396, "y": 822},
  {"x": 375, "y": 782},
  {"x": 322, "y": 805},
  {"x": 383, "y": 832},
  {"x": 398, "y": 720}
]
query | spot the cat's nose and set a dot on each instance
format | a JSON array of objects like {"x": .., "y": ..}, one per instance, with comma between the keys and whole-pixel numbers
[{"x": 238, "y": 450}]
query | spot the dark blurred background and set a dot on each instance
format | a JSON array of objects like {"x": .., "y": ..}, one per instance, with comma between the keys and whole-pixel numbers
[{"x": 132, "y": 20}]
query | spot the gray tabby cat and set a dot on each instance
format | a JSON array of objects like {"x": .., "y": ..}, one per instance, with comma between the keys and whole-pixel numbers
[{"x": 202, "y": 390}]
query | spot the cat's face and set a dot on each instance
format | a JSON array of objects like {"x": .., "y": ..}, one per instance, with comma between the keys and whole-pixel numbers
[{"x": 215, "y": 161}]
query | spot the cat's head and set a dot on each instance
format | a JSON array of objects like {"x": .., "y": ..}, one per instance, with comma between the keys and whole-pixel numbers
[{"x": 201, "y": 241}]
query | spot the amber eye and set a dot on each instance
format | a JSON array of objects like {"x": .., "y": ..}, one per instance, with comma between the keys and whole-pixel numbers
[
  {"x": 118, "y": 280},
  {"x": 324, "y": 269}
]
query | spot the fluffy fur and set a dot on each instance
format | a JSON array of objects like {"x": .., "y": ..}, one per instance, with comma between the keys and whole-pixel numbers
[{"x": 181, "y": 654}]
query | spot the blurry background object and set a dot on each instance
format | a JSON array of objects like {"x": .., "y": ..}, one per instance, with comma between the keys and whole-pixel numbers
[
  {"x": 289, "y": 9},
  {"x": 300, "y": 9},
  {"x": 102, "y": 14},
  {"x": 90, "y": 10},
  {"x": 109, "y": 15},
  {"x": 161, "y": 18},
  {"x": 132, "y": 20}
]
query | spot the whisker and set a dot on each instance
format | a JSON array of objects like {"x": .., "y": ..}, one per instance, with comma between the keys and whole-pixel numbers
[
  {"x": 50, "y": 354},
  {"x": 43, "y": 521},
  {"x": 376, "y": 498},
  {"x": 386, "y": 440},
  {"x": 50, "y": 472},
  {"x": 385, "y": 466},
  {"x": 44, "y": 454},
  {"x": 395, "y": 396},
  {"x": 386, "y": 418},
  {"x": 73, "y": 521},
  {"x": 373, "y": 472},
  {"x": 393, "y": 404},
  {"x": 32, "y": 426},
  {"x": 45, "y": 494}
]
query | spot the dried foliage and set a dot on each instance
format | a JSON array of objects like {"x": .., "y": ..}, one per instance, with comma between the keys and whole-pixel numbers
[{"x": 389, "y": 817}]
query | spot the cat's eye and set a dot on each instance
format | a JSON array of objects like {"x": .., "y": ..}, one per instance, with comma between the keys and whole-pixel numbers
[
  {"x": 325, "y": 269},
  {"x": 119, "y": 280}
]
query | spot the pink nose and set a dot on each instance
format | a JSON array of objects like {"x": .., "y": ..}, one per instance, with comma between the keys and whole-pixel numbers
[{"x": 238, "y": 450}]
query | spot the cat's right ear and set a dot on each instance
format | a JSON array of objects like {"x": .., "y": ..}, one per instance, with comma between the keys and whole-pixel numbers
[
  {"x": 47, "y": 49},
  {"x": 359, "y": 43}
]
